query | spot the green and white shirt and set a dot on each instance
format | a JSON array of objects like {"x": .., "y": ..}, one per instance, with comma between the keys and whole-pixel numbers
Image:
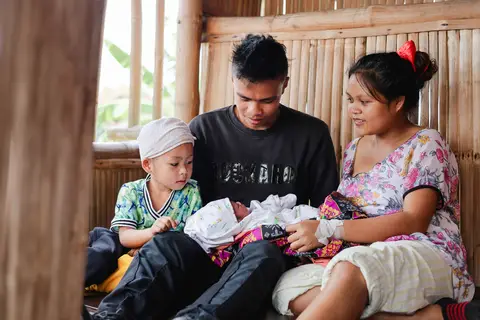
[{"x": 134, "y": 207}]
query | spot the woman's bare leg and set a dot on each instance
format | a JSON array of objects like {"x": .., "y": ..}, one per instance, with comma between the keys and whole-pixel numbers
[
  {"x": 299, "y": 304},
  {"x": 345, "y": 286}
]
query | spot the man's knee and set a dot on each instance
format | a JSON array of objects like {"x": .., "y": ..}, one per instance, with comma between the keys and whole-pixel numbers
[
  {"x": 263, "y": 251},
  {"x": 172, "y": 241}
]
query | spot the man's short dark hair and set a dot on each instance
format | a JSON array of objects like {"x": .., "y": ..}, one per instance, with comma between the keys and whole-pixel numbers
[{"x": 258, "y": 58}]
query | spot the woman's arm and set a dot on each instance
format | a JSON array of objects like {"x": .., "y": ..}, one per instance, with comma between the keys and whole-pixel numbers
[{"x": 418, "y": 209}]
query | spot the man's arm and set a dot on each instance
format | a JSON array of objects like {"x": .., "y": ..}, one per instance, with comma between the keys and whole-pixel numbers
[{"x": 323, "y": 169}]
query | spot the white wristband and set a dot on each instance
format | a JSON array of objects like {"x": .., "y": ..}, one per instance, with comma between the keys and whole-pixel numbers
[{"x": 329, "y": 228}]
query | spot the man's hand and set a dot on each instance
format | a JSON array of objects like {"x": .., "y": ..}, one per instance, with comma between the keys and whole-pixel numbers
[
  {"x": 163, "y": 224},
  {"x": 302, "y": 236}
]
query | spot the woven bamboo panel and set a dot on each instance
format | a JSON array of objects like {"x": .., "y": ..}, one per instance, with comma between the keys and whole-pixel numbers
[
  {"x": 318, "y": 67},
  {"x": 232, "y": 8},
  {"x": 317, "y": 77},
  {"x": 109, "y": 174},
  {"x": 278, "y": 7}
]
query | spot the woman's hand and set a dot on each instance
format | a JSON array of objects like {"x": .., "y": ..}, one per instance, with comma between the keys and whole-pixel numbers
[{"x": 302, "y": 236}]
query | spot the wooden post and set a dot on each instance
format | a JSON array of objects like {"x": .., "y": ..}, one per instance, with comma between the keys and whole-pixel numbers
[
  {"x": 135, "y": 65},
  {"x": 159, "y": 47},
  {"x": 188, "y": 59},
  {"x": 49, "y": 57}
]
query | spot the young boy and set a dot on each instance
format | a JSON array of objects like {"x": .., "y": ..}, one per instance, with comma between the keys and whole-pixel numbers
[{"x": 160, "y": 202}]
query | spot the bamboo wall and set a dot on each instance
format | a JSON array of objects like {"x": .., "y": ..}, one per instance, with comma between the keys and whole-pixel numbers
[
  {"x": 277, "y": 7},
  {"x": 321, "y": 49},
  {"x": 114, "y": 164},
  {"x": 232, "y": 8},
  {"x": 252, "y": 8}
]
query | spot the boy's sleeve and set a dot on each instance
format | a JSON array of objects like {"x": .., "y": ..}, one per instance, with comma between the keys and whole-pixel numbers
[
  {"x": 126, "y": 214},
  {"x": 195, "y": 203}
]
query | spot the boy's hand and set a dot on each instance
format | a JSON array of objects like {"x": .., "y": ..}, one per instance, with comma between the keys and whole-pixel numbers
[
  {"x": 133, "y": 252},
  {"x": 163, "y": 224}
]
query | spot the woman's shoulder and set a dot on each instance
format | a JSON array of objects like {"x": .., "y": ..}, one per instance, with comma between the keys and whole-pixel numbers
[
  {"x": 429, "y": 136},
  {"x": 429, "y": 140},
  {"x": 352, "y": 145}
]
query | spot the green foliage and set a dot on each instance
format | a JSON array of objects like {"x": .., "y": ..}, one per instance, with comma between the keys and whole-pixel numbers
[{"x": 115, "y": 113}]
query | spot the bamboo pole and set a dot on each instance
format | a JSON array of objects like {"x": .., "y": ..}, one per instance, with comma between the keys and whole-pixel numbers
[
  {"x": 288, "y": 6},
  {"x": 115, "y": 150},
  {"x": 49, "y": 60},
  {"x": 401, "y": 39},
  {"x": 465, "y": 145},
  {"x": 8, "y": 27},
  {"x": 453, "y": 83},
  {"x": 327, "y": 83},
  {"x": 311, "y": 77},
  {"x": 346, "y": 123},
  {"x": 360, "y": 51},
  {"x": 337, "y": 90},
  {"x": 285, "y": 100},
  {"x": 269, "y": 7},
  {"x": 304, "y": 76},
  {"x": 135, "y": 64},
  {"x": 393, "y": 29},
  {"x": 360, "y": 47},
  {"x": 476, "y": 95},
  {"x": 348, "y": 18},
  {"x": 213, "y": 100},
  {"x": 230, "y": 95},
  {"x": 391, "y": 43},
  {"x": 381, "y": 45},
  {"x": 159, "y": 47},
  {"x": 476, "y": 140},
  {"x": 223, "y": 74},
  {"x": 204, "y": 73},
  {"x": 443, "y": 82},
  {"x": 317, "y": 110},
  {"x": 371, "y": 45},
  {"x": 433, "y": 88},
  {"x": 424, "y": 116},
  {"x": 188, "y": 57},
  {"x": 295, "y": 74}
]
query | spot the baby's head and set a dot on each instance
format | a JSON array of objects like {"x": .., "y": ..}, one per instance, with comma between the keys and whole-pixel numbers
[
  {"x": 240, "y": 210},
  {"x": 166, "y": 152}
]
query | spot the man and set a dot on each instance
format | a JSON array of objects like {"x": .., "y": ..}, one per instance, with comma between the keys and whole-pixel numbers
[{"x": 247, "y": 151}]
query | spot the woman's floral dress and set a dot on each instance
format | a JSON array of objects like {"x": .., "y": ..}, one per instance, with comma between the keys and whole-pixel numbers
[{"x": 424, "y": 161}]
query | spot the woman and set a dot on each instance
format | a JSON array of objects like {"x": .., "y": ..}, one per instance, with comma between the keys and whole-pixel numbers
[{"x": 405, "y": 178}]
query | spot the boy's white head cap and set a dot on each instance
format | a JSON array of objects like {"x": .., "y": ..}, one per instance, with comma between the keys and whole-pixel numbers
[{"x": 160, "y": 136}]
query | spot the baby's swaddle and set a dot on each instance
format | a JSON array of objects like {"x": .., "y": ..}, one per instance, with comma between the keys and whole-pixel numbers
[{"x": 216, "y": 224}]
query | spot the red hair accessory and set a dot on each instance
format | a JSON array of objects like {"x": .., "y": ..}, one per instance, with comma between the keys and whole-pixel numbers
[{"x": 407, "y": 52}]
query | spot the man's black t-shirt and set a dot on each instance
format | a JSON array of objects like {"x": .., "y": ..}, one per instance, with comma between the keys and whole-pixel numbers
[{"x": 295, "y": 155}]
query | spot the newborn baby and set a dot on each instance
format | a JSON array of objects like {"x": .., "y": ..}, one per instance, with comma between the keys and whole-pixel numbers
[{"x": 218, "y": 222}]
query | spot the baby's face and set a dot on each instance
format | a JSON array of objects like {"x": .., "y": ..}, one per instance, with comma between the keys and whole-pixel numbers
[{"x": 240, "y": 210}]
